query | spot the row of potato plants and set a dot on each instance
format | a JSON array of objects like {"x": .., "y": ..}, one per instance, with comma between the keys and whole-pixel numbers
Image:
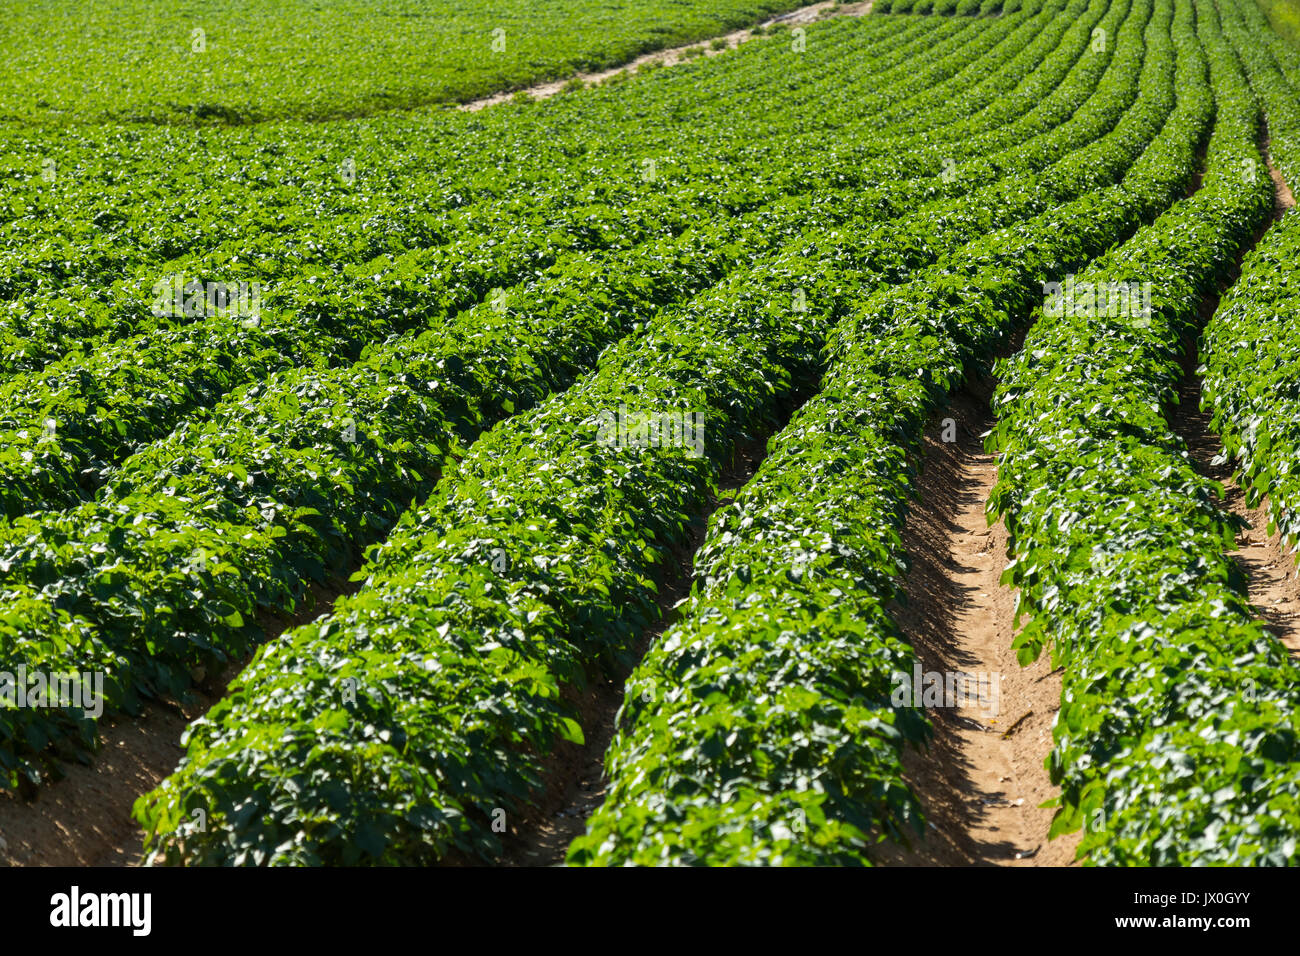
[
  {"x": 316, "y": 222},
  {"x": 1250, "y": 349},
  {"x": 419, "y": 710},
  {"x": 155, "y": 579},
  {"x": 1176, "y": 742},
  {"x": 760, "y": 728},
  {"x": 1250, "y": 18},
  {"x": 432, "y": 594},
  {"x": 1252, "y": 366},
  {"x": 351, "y": 226},
  {"x": 65, "y": 426}
]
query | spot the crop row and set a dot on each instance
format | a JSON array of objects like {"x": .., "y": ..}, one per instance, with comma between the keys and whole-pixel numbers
[
  {"x": 285, "y": 481},
  {"x": 1251, "y": 352},
  {"x": 68, "y": 424},
  {"x": 1250, "y": 346},
  {"x": 252, "y": 208},
  {"x": 1176, "y": 742},
  {"x": 281, "y": 222}
]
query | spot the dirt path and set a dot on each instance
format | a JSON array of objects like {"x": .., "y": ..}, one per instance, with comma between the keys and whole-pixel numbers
[
  {"x": 1283, "y": 198},
  {"x": 983, "y": 780},
  {"x": 1269, "y": 564},
  {"x": 672, "y": 57},
  {"x": 85, "y": 818}
]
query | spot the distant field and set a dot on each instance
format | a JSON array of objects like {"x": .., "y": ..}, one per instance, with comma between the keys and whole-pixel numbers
[
  {"x": 68, "y": 61},
  {"x": 1285, "y": 17}
]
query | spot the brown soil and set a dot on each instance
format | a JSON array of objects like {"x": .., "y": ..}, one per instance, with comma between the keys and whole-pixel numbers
[
  {"x": 84, "y": 819},
  {"x": 1270, "y": 567},
  {"x": 675, "y": 55},
  {"x": 983, "y": 779},
  {"x": 1269, "y": 564},
  {"x": 1283, "y": 198}
]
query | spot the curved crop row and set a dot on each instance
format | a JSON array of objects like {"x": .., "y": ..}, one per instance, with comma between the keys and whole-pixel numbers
[
  {"x": 1251, "y": 352},
  {"x": 1177, "y": 740},
  {"x": 1250, "y": 347},
  {"x": 83, "y": 271},
  {"x": 65, "y": 426},
  {"x": 167, "y": 571}
]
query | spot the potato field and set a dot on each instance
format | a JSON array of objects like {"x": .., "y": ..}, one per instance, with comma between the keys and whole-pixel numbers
[{"x": 851, "y": 435}]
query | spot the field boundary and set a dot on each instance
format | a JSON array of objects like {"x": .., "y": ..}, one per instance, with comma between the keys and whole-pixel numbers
[{"x": 672, "y": 56}]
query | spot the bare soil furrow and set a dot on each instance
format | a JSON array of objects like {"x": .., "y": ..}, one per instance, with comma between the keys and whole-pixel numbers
[
  {"x": 1267, "y": 561},
  {"x": 983, "y": 779}
]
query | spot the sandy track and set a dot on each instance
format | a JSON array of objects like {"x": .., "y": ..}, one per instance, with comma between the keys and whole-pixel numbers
[{"x": 983, "y": 779}]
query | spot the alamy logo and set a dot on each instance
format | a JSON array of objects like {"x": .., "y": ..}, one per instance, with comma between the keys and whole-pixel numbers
[
  {"x": 1101, "y": 299},
  {"x": 177, "y": 298},
  {"x": 948, "y": 689},
  {"x": 73, "y": 909},
  {"x": 39, "y": 689},
  {"x": 664, "y": 429}
]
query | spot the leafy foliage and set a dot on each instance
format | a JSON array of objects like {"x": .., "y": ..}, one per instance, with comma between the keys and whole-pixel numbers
[
  {"x": 457, "y": 302},
  {"x": 287, "y": 478},
  {"x": 1176, "y": 741}
]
